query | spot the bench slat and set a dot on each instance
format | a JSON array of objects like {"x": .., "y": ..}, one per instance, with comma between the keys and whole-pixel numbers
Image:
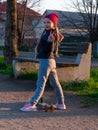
[
  {"x": 26, "y": 59},
  {"x": 71, "y": 52},
  {"x": 62, "y": 64},
  {"x": 73, "y": 48}
]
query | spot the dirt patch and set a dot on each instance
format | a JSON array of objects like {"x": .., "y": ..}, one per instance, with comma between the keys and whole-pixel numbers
[{"x": 13, "y": 95}]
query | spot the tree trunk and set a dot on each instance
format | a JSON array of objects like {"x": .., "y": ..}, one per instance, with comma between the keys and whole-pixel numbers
[{"x": 11, "y": 36}]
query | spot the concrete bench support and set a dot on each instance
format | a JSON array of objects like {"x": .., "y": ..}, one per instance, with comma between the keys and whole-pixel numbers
[
  {"x": 79, "y": 72},
  {"x": 21, "y": 66}
]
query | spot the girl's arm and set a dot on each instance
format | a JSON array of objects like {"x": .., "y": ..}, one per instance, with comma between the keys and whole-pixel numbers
[
  {"x": 36, "y": 48},
  {"x": 61, "y": 37},
  {"x": 37, "y": 45}
]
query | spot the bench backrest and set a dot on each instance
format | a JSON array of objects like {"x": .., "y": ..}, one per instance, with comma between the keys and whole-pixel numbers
[{"x": 73, "y": 48}]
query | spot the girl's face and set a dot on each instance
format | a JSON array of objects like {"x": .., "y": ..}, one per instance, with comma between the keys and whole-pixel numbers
[{"x": 48, "y": 24}]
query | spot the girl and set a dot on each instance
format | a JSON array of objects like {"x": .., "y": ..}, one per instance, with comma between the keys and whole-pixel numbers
[{"x": 47, "y": 69}]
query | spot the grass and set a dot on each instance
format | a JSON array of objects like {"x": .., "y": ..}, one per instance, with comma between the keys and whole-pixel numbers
[
  {"x": 88, "y": 90},
  {"x": 5, "y": 69},
  {"x": 1, "y": 48},
  {"x": 29, "y": 75},
  {"x": 95, "y": 56}
]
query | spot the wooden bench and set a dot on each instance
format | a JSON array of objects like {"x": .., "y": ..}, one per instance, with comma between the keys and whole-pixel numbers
[{"x": 73, "y": 64}]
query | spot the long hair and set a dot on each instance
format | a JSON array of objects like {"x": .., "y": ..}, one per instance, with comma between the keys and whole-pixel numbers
[{"x": 58, "y": 37}]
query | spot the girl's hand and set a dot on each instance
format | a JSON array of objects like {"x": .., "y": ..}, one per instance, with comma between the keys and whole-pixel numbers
[{"x": 51, "y": 36}]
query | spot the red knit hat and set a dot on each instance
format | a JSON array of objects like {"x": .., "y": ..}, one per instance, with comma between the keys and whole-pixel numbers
[{"x": 53, "y": 17}]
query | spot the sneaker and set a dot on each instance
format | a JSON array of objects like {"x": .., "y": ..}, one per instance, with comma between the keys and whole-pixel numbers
[
  {"x": 28, "y": 107},
  {"x": 59, "y": 106}
]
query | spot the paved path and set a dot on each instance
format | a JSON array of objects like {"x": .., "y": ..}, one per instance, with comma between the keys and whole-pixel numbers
[{"x": 14, "y": 93}]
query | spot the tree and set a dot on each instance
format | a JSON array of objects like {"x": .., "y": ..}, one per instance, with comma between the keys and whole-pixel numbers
[
  {"x": 87, "y": 10},
  {"x": 12, "y": 32},
  {"x": 11, "y": 35},
  {"x": 22, "y": 17},
  {"x": 21, "y": 30}
]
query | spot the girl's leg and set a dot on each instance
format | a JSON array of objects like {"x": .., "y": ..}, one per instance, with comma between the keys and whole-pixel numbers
[
  {"x": 43, "y": 73},
  {"x": 53, "y": 78}
]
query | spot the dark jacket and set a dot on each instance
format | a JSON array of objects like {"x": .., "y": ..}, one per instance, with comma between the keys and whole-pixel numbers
[{"x": 45, "y": 48}]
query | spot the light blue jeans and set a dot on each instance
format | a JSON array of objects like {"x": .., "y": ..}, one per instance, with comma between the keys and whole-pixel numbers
[{"x": 47, "y": 69}]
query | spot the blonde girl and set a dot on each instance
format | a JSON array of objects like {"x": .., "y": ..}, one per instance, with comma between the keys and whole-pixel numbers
[{"x": 47, "y": 44}]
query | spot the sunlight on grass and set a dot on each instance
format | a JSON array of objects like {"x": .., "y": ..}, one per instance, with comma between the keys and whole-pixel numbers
[
  {"x": 29, "y": 75},
  {"x": 5, "y": 69},
  {"x": 89, "y": 90}
]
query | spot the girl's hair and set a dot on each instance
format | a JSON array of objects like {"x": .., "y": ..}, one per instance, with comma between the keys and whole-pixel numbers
[
  {"x": 56, "y": 41},
  {"x": 56, "y": 35}
]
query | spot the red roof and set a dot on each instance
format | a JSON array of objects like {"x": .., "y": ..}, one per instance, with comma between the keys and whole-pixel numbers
[
  {"x": 29, "y": 11},
  {"x": 2, "y": 6}
]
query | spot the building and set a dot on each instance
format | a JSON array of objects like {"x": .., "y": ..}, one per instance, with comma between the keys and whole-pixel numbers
[
  {"x": 70, "y": 25},
  {"x": 30, "y": 20}
]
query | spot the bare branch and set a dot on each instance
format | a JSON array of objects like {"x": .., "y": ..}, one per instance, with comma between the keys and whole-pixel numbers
[{"x": 87, "y": 10}]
